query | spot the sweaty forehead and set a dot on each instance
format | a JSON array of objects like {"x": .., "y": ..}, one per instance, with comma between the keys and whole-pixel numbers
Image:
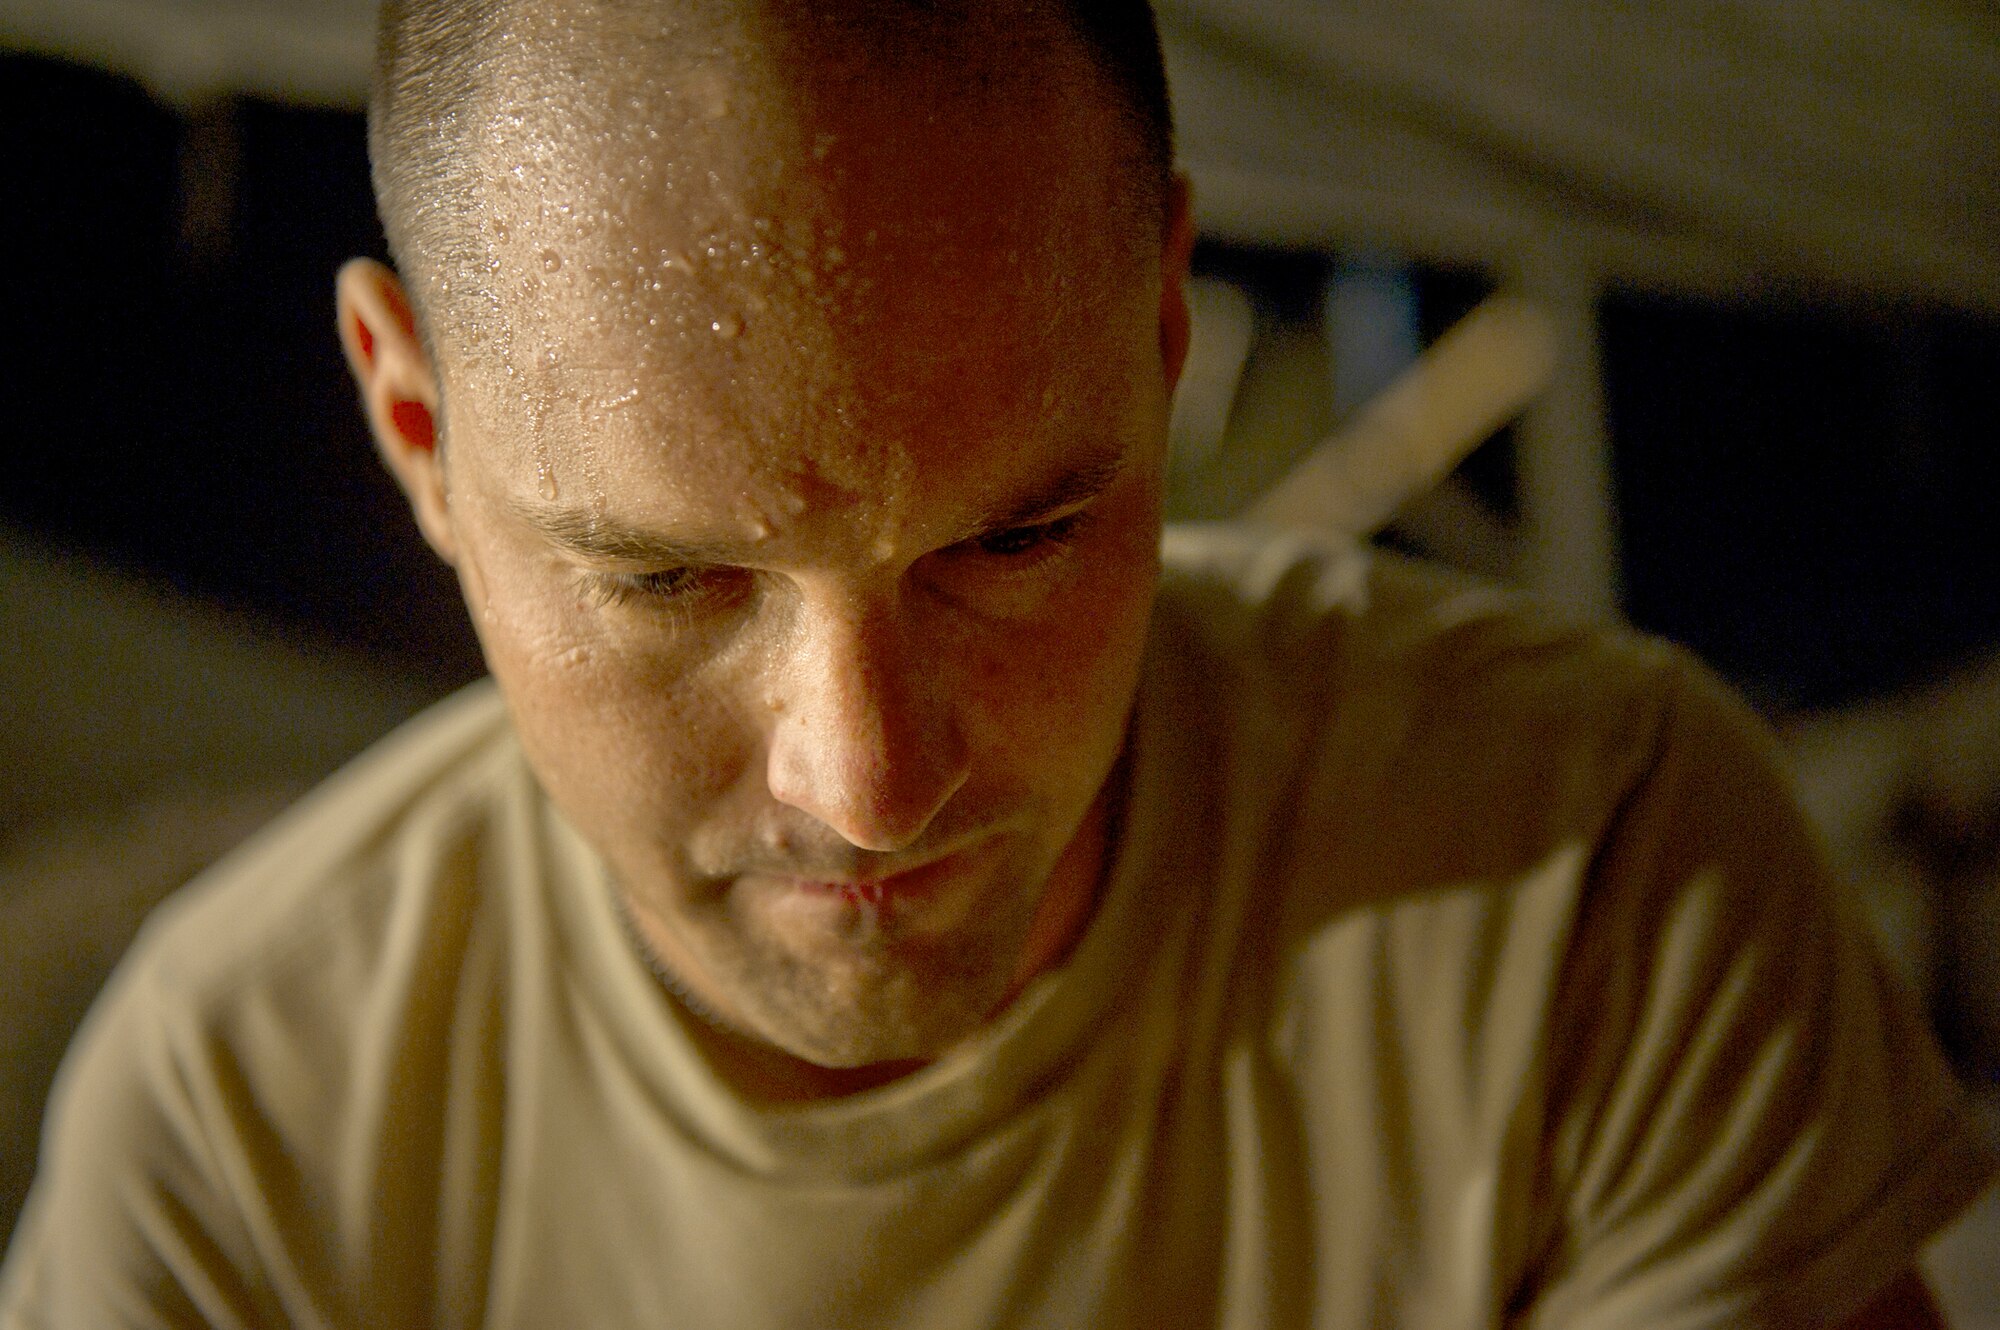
[
  {"x": 763, "y": 226},
  {"x": 670, "y": 143}
]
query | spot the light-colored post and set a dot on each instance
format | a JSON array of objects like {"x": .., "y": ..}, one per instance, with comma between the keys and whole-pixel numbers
[{"x": 1568, "y": 508}]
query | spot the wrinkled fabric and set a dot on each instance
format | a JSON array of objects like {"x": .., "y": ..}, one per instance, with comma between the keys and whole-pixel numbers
[{"x": 1458, "y": 966}]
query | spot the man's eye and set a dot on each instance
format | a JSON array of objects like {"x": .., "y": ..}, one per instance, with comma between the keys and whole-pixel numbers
[
  {"x": 670, "y": 585},
  {"x": 1022, "y": 540}
]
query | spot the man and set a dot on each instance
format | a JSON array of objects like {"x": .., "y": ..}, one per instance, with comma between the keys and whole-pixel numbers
[{"x": 875, "y": 893}]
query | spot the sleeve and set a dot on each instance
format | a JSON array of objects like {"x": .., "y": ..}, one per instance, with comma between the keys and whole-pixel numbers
[
  {"x": 128, "y": 1223},
  {"x": 1748, "y": 1122}
]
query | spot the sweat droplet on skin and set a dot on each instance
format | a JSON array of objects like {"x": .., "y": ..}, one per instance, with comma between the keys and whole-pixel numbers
[
  {"x": 709, "y": 91},
  {"x": 729, "y": 326},
  {"x": 551, "y": 261},
  {"x": 548, "y": 485}
]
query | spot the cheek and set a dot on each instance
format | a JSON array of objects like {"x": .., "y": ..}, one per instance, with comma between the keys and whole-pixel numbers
[
  {"x": 621, "y": 736},
  {"x": 1063, "y": 683},
  {"x": 1073, "y": 669}
]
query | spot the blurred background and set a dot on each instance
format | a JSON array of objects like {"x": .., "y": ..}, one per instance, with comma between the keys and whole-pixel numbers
[{"x": 1686, "y": 315}]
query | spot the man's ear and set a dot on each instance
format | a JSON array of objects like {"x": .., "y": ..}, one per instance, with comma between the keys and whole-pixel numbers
[
  {"x": 1176, "y": 252},
  {"x": 399, "y": 391}
]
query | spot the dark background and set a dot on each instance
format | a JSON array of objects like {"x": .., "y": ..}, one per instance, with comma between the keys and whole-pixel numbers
[{"x": 175, "y": 400}]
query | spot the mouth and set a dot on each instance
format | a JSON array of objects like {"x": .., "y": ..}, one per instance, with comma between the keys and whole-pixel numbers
[
  {"x": 924, "y": 896},
  {"x": 878, "y": 889}
]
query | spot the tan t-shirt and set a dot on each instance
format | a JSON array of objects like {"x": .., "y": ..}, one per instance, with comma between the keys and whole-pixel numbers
[{"x": 1457, "y": 968}]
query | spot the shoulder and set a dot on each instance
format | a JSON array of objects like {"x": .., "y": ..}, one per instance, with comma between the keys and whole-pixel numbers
[
  {"x": 286, "y": 977},
  {"x": 1413, "y": 779},
  {"x": 1446, "y": 762},
  {"x": 1425, "y": 713},
  {"x": 387, "y": 820},
  {"x": 275, "y": 1017},
  {"x": 1379, "y": 622},
  {"x": 282, "y": 938},
  {"x": 1543, "y": 924}
]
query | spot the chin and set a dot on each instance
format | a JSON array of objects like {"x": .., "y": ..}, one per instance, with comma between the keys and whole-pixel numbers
[
  {"x": 892, "y": 1006},
  {"x": 845, "y": 979}
]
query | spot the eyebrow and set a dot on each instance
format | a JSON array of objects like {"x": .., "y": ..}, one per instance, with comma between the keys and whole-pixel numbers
[
  {"x": 1076, "y": 484},
  {"x": 610, "y": 540}
]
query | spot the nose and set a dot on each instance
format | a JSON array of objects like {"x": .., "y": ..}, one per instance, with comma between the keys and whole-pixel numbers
[{"x": 863, "y": 737}]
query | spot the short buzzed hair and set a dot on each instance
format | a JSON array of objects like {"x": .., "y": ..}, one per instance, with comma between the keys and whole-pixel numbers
[{"x": 433, "y": 63}]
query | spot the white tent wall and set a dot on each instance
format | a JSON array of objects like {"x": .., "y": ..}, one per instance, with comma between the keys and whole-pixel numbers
[{"x": 1846, "y": 146}]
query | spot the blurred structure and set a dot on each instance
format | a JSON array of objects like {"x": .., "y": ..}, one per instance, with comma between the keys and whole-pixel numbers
[
  {"x": 194, "y": 52},
  {"x": 1906, "y": 789},
  {"x": 1572, "y": 147}
]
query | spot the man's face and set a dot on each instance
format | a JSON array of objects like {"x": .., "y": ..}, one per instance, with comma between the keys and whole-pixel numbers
[{"x": 807, "y": 502}]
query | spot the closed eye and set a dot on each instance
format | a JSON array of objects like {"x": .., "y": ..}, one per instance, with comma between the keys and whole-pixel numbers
[
  {"x": 674, "y": 586},
  {"x": 1025, "y": 541}
]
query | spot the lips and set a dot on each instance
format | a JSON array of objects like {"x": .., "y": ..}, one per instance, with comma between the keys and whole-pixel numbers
[
  {"x": 878, "y": 890},
  {"x": 920, "y": 900},
  {"x": 853, "y": 893}
]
